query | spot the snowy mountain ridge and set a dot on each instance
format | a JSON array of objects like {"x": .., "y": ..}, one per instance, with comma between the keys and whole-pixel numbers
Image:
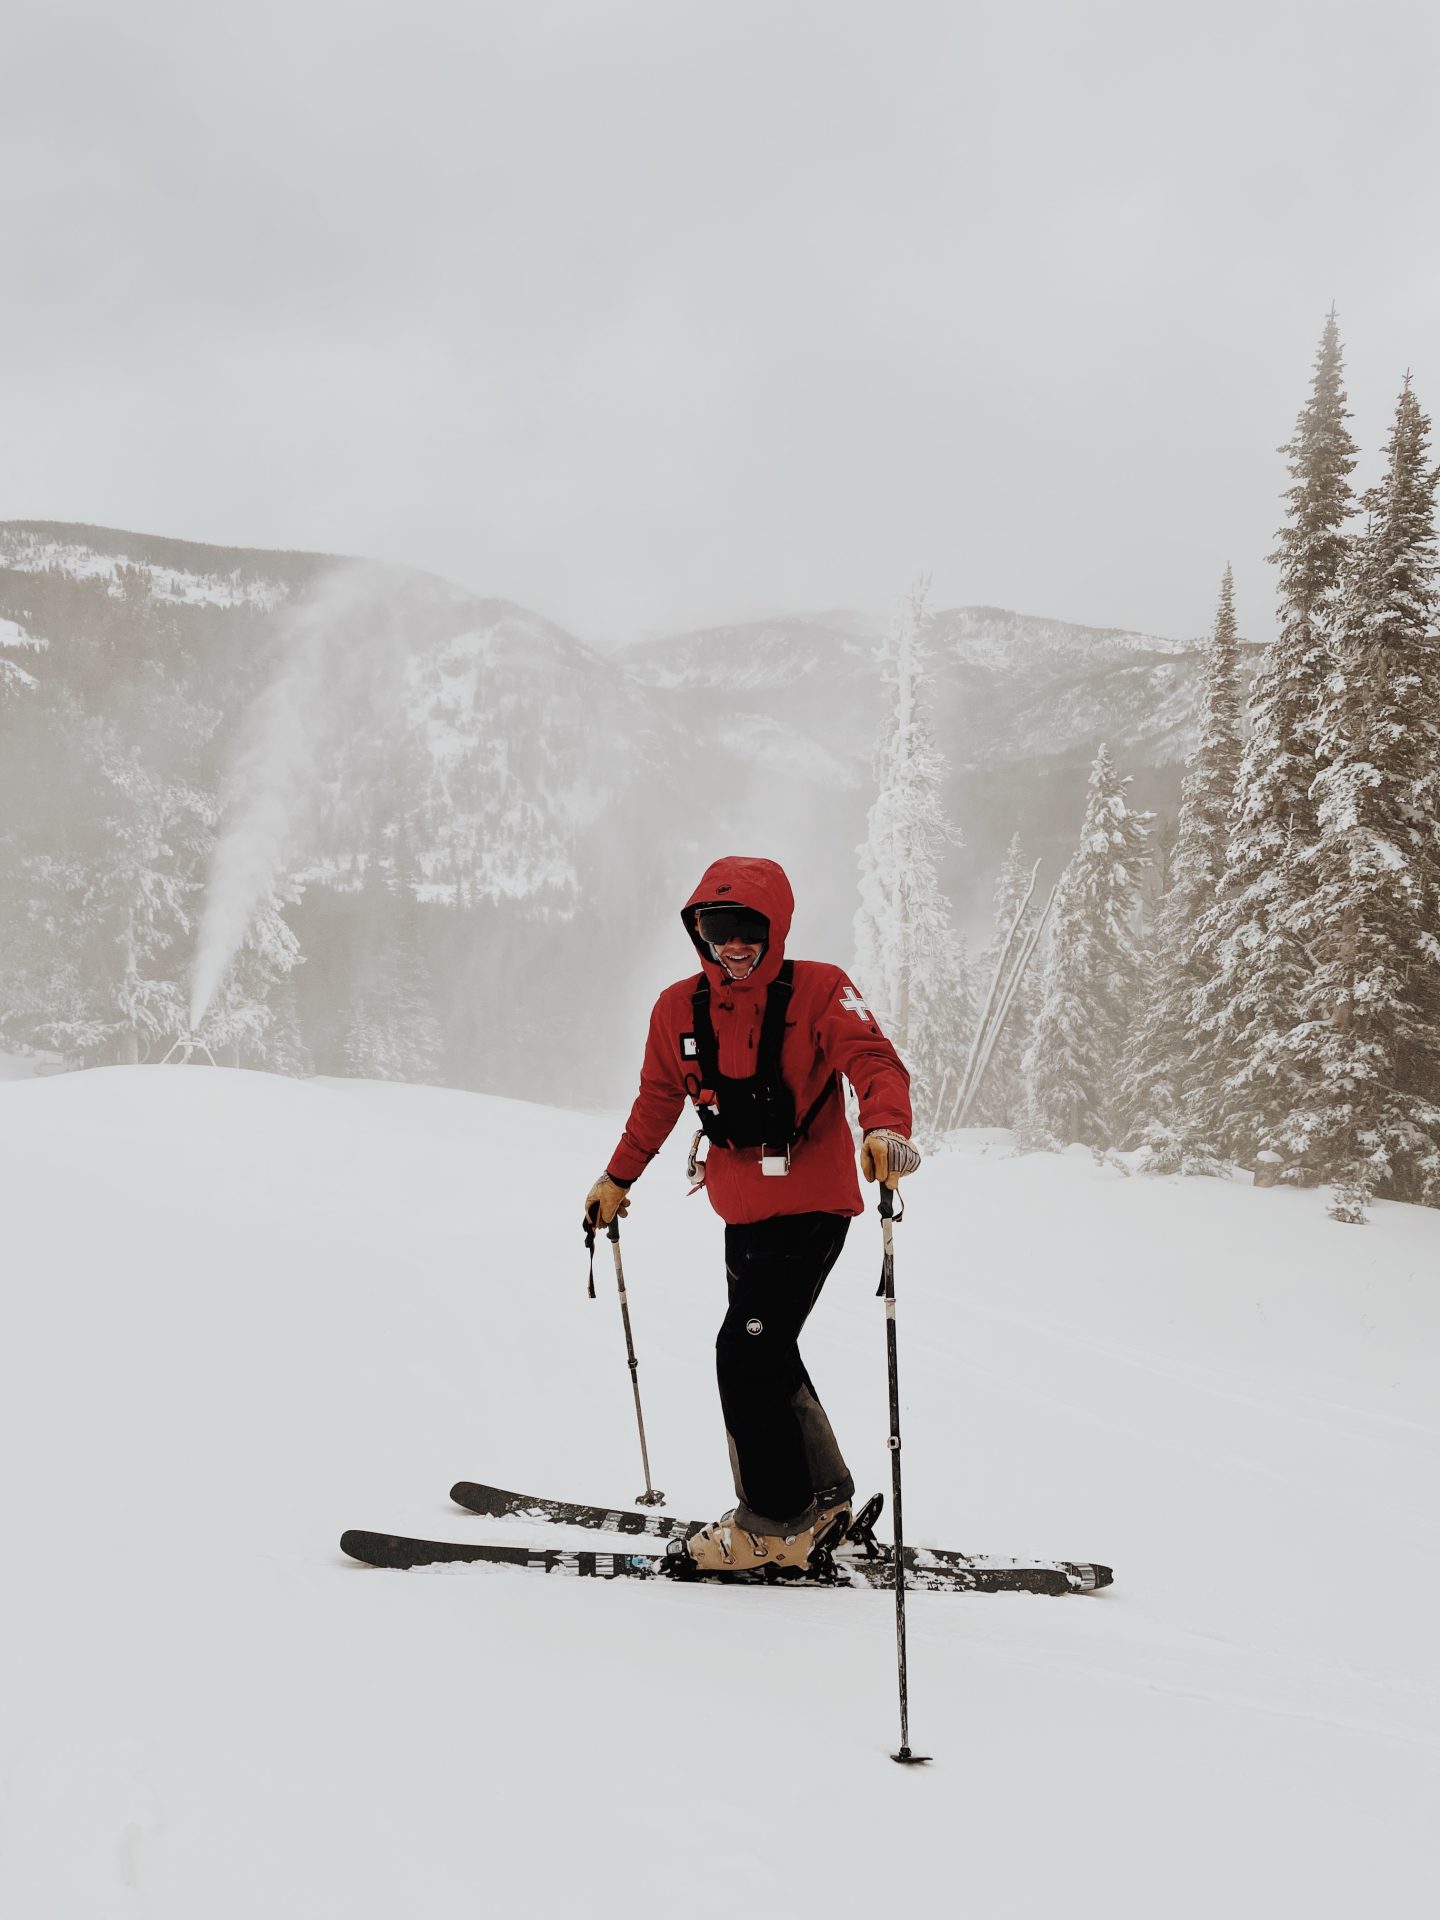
[
  {"x": 37, "y": 547},
  {"x": 462, "y": 750},
  {"x": 507, "y": 723},
  {"x": 773, "y": 653}
]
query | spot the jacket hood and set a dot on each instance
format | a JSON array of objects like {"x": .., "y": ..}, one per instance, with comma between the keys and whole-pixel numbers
[{"x": 739, "y": 881}]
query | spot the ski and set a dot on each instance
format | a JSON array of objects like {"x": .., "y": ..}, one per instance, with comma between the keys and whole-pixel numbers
[
  {"x": 993, "y": 1576},
  {"x": 499, "y": 1503}
]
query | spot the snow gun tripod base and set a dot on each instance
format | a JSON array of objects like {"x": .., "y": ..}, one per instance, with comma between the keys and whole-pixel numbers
[{"x": 187, "y": 1046}]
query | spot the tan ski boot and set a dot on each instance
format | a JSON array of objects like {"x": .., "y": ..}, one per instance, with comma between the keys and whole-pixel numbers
[
  {"x": 725, "y": 1547},
  {"x": 831, "y": 1523}
]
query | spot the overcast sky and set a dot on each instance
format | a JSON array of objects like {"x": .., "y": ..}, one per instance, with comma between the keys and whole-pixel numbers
[{"x": 652, "y": 315}]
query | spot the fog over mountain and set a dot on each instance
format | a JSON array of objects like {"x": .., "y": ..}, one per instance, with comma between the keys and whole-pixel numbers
[{"x": 455, "y": 791}]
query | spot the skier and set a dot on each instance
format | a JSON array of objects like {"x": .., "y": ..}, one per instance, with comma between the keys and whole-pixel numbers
[{"x": 758, "y": 1044}]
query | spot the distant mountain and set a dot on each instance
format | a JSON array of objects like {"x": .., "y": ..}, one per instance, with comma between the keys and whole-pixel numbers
[
  {"x": 1021, "y": 705},
  {"x": 463, "y": 752},
  {"x": 470, "y": 732}
]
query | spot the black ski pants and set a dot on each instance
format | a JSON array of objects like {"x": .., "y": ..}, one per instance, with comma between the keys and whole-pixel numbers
[{"x": 782, "y": 1451}]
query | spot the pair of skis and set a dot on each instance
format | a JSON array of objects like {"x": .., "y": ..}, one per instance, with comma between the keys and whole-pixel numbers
[{"x": 857, "y": 1560}]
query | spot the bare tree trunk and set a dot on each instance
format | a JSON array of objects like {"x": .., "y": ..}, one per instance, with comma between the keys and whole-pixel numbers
[
  {"x": 939, "y": 1106},
  {"x": 1012, "y": 987},
  {"x": 961, "y": 1102}
]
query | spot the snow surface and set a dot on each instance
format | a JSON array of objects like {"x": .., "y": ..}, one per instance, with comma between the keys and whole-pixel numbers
[{"x": 243, "y": 1313}]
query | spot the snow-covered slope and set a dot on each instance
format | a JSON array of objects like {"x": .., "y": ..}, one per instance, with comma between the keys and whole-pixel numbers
[{"x": 242, "y": 1313}]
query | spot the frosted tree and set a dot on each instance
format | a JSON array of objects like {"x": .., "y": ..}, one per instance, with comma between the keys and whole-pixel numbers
[
  {"x": 16, "y": 679},
  {"x": 1091, "y": 980},
  {"x": 126, "y": 909},
  {"x": 391, "y": 1028},
  {"x": 284, "y": 1048},
  {"x": 909, "y": 960},
  {"x": 1367, "y": 1046},
  {"x": 1167, "y": 1062},
  {"x": 1254, "y": 958}
]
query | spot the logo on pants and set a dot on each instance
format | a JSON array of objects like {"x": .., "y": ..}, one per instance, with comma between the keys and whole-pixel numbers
[{"x": 754, "y": 1326}]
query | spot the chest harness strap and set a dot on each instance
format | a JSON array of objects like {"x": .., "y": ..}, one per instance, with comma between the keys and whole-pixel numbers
[{"x": 757, "y": 1110}]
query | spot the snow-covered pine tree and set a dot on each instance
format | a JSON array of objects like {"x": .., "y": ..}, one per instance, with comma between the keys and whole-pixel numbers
[
  {"x": 391, "y": 1028},
  {"x": 126, "y": 910},
  {"x": 1001, "y": 1098},
  {"x": 1167, "y": 1062},
  {"x": 284, "y": 1048},
  {"x": 16, "y": 679},
  {"x": 1367, "y": 1047},
  {"x": 1090, "y": 985},
  {"x": 909, "y": 960},
  {"x": 1254, "y": 962}
]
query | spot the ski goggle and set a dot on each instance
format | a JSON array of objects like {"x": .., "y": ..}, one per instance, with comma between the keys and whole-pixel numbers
[{"x": 716, "y": 925}]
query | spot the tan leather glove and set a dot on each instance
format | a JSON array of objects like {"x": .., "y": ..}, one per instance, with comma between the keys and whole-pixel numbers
[
  {"x": 604, "y": 1200},
  {"x": 887, "y": 1156}
]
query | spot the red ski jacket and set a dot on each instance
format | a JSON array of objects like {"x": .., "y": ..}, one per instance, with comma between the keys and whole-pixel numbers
[{"x": 828, "y": 1029}]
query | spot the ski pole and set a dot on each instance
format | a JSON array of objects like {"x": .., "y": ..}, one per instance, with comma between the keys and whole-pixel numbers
[
  {"x": 886, "y": 1291},
  {"x": 649, "y": 1498}
]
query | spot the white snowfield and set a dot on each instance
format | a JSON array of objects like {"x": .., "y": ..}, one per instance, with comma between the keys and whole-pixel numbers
[{"x": 243, "y": 1313}]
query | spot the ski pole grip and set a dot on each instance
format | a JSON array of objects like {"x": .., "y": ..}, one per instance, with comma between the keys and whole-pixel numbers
[{"x": 887, "y": 1202}]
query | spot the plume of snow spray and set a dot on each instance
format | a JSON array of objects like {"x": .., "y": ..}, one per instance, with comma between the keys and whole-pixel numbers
[{"x": 328, "y": 646}]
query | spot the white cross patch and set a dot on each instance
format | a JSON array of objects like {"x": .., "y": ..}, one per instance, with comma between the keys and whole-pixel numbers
[{"x": 852, "y": 1003}]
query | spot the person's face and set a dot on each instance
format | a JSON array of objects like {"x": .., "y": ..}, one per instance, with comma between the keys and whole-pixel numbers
[
  {"x": 735, "y": 935},
  {"x": 739, "y": 958}
]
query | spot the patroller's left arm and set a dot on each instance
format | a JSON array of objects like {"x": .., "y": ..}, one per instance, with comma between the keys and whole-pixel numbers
[{"x": 850, "y": 1040}]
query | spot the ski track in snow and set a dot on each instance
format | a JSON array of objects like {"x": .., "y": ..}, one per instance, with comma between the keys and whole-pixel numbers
[{"x": 245, "y": 1313}]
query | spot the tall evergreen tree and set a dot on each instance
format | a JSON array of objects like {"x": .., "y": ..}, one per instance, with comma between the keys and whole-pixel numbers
[
  {"x": 16, "y": 679},
  {"x": 1254, "y": 960},
  {"x": 122, "y": 912},
  {"x": 391, "y": 1028},
  {"x": 1090, "y": 985},
  {"x": 1166, "y": 1071},
  {"x": 1368, "y": 1043},
  {"x": 909, "y": 959}
]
